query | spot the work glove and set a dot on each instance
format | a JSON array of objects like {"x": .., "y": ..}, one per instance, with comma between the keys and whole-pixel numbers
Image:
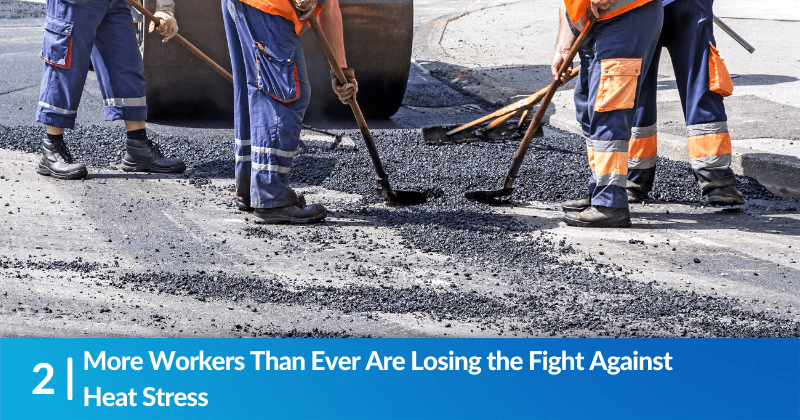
[
  {"x": 304, "y": 8},
  {"x": 347, "y": 91},
  {"x": 600, "y": 6},
  {"x": 167, "y": 25}
]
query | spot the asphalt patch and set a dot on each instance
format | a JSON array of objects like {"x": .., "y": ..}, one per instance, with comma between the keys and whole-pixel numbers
[{"x": 552, "y": 294}]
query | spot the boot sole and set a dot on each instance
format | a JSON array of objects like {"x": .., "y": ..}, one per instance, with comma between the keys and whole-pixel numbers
[
  {"x": 294, "y": 221},
  {"x": 130, "y": 167},
  {"x": 80, "y": 174},
  {"x": 611, "y": 224},
  {"x": 726, "y": 202}
]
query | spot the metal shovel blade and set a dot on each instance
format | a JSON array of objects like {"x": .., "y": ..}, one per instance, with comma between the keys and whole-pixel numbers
[
  {"x": 407, "y": 198},
  {"x": 488, "y": 196}
]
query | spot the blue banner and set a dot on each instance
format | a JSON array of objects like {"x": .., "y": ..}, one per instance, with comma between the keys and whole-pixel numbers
[{"x": 399, "y": 378}]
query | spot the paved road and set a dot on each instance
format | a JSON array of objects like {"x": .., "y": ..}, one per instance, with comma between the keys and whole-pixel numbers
[{"x": 147, "y": 255}]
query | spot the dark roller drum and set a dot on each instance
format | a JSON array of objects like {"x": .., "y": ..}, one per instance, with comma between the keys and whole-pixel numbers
[{"x": 377, "y": 38}]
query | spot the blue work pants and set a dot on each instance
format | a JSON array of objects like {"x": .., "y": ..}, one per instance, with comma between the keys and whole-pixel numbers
[
  {"x": 688, "y": 35},
  {"x": 614, "y": 58},
  {"x": 271, "y": 94},
  {"x": 97, "y": 32}
]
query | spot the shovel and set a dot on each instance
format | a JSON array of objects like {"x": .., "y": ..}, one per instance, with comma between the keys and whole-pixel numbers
[
  {"x": 508, "y": 185},
  {"x": 384, "y": 190}
]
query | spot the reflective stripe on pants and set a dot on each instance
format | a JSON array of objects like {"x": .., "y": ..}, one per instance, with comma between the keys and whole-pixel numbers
[{"x": 102, "y": 35}]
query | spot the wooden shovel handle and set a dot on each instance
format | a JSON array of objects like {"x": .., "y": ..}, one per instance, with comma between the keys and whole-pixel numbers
[
  {"x": 502, "y": 120},
  {"x": 183, "y": 41},
  {"x": 537, "y": 119},
  {"x": 362, "y": 124}
]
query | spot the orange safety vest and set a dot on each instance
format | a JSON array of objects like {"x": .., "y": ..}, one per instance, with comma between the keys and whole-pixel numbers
[
  {"x": 579, "y": 10},
  {"x": 282, "y": 8}
]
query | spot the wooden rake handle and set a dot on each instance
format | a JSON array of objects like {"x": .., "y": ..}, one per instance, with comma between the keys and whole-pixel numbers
[
  {"x": 362, "y": 124},
  {"x": 516, "y": 106},
  {"x": 183, "y": 41}
]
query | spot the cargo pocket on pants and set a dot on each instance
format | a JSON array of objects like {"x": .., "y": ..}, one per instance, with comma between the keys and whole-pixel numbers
[
  {"x": 719, "y": 80},
  {"x": 277, "y": 73},
  {"x": 618, "y": 81},
  {"x": 57, "y": 44}
]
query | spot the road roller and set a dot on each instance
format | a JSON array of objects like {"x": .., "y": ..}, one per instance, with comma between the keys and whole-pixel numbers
[{"x": 374, "y": 37}]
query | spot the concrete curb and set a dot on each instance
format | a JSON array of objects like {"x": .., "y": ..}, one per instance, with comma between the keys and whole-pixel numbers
[{"x": 778, "y": 173}]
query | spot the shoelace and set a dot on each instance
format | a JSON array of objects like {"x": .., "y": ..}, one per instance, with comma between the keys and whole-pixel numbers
[
  {"x": 154, "y": 147},
  {"x": 64, "y": 152}
]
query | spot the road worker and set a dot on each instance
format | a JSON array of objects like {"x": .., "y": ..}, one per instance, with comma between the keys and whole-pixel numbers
[
  {"x": 271, "y": 94},
  {"x": 702, "y": 82},
  {"x": 98, "y": 33},
  {"x": 614, "y": 59}
]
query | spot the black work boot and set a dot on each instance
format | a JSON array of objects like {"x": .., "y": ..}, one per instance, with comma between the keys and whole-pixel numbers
[
  {"x": 636, "y": 193},
  {"x": 599, "y": 216},
  {"x": 243, "y": 203},
  {"x": 291, "y": 214},
  {"x": 142, "y": 155},
  {"x": 725, "y": 196},
  {"x": 578, "y": 205},
  {"x": 57, "y": 161}
]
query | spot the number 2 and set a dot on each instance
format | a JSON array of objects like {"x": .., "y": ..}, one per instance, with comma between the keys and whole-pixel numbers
[{"x": 40, "y": 389}]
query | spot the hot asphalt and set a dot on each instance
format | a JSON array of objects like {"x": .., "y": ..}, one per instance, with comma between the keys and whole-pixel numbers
[{"x": 123, "y": 254}]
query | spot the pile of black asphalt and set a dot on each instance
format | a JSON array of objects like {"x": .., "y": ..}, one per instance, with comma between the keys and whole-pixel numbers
[
  {"x": 15, "y": 9},
  {"x": 553, "y": 292}
]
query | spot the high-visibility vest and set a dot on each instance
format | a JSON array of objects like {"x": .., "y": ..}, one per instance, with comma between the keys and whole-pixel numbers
[
  {"x": 579, "y": 10},
  {"x": 282, "y": 8}
]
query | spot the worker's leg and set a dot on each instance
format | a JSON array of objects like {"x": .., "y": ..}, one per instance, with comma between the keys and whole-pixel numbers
[
  {"x": 278, "y": 95},
  {"x": 120, "y": 74},
  {"x": 68, "y": 41},
  {"x": 709, "y": 141},
  {"x": 241, "y": 109},
  {"x": 613, "y": 70},
  {"x": 643, "y": 146},
  {"x": 118, "y": 65}
]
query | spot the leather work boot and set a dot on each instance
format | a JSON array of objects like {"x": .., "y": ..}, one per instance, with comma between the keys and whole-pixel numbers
[
  {"x": 145, "y": 156},
  {"x": 599, "y": 216},
  {"x": 725, "y": 196},
  {"x": 243, "y": 203},
  {"x": 578, "y": 205},
  {"x": 636, "y": 193},
  {"x": 291, "y": 214},
  {"x": 58, "y": 162}
]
